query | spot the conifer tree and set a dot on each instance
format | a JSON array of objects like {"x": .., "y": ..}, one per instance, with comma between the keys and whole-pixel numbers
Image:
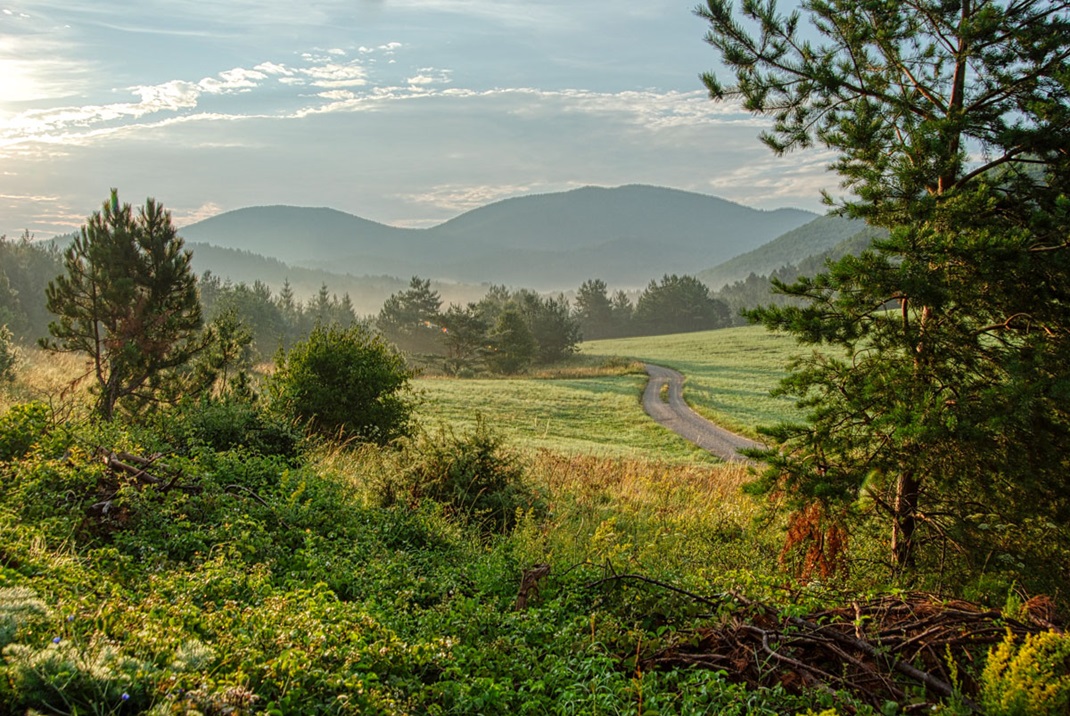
[
  {"x": 594, "y": 312},
  {"x": 410, "y": 318},
  {"x": 941, "y": 391},
  {"x": 129, "y": 301}
]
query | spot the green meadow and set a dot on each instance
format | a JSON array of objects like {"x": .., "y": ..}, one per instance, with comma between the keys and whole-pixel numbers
[
  {"x": 729, "y": 372},
  {"x": 597, "y": 416},
  {"x": 595, "y": 409}
]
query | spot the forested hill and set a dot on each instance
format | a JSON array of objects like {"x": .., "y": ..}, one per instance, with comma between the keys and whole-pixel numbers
[
  {"x": 792, "y": 248},
  {"x": 625, "y": 236}
]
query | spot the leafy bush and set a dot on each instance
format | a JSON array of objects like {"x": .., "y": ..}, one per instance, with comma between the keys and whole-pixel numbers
[
  {"x": 345, "y": 383},
  {"x": 1031, "y": 679},
  {"x": 234, "y": 422},
  {"x": 21, "y": 427},
  {"x": 472, "y": 474}
]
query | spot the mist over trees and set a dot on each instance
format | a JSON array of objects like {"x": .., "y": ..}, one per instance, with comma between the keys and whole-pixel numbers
[
  {"x": 26, "y": 267},
  {"x": 506, "y": 331}
]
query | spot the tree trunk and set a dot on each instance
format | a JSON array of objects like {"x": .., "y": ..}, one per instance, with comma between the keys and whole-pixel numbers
[{"x": 904, "y": 522}]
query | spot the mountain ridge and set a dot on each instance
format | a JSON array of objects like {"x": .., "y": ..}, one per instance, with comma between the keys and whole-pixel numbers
[{"x": 553, "y": 241}]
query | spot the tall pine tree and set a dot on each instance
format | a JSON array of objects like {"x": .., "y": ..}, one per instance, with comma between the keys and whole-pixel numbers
[
  {"x": 129, "y": 301},
  {"x": 942, "y": 390}
]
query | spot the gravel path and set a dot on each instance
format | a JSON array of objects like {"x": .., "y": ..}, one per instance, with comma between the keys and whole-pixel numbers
[{"x": 676, "y": 415}]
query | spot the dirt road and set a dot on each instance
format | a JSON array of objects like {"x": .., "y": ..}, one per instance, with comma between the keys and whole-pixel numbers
[{"x": 675, "y": 414}]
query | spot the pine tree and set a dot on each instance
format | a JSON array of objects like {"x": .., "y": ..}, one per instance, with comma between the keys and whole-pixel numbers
[
  {"x": 942, "y": 390},
  {"x": 410, "y": 318},
  {"x": 513, "y": 346},
  {"x": 594, "y": 310},
  {"x": 465, "y": 339},
  {"x": 679, "y": 304},
  {"x": 129, "y": 301}
]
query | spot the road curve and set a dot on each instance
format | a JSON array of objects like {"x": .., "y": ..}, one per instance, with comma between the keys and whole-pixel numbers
[{"x": 676, "y": 415}]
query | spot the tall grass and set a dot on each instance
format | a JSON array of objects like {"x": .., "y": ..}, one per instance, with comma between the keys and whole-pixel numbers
[
  {"x": 646, "y": 515},
  {"x": 58, "y": 379},
  {"x": 687, "y": 522}
]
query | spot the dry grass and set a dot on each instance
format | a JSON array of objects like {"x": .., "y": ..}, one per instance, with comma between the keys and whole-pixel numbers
[
  {"x": 644, "y": 515},
  {"x": 59, "y": 379}
]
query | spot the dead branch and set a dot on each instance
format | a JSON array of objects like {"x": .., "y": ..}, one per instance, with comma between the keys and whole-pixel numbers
[{"x": 870, "y": 648}]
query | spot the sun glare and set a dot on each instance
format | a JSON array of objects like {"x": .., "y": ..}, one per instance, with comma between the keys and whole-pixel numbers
[{"x": 16, "y": 83}]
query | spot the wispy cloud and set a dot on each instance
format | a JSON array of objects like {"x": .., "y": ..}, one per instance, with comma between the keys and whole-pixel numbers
[
  {"x": 192, "y": 216},
  {"x": 407, "y": 111},
  {"x": 457, "y": 198}
]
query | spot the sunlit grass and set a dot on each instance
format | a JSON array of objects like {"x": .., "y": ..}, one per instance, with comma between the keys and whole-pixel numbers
[
  {"x": 643, "y": 514},
  {"x": 49, "y": 377},
  {"x": 729, "y": 372},
  {"x": 600, "y": 416},
  {"x": 591, "y": 405}
]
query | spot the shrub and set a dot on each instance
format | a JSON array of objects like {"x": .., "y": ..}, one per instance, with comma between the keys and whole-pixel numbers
[
  {"x": 472, "y": 474},
  {"x": 21, "y": 427},
  {"x": 1028, "y": 679},
  {"x": 233, "y": 422},
  {"x": 345, "y": 383}
]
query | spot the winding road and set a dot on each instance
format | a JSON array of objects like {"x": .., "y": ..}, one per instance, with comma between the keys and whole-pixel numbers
[{"x": 676, "y": 415}]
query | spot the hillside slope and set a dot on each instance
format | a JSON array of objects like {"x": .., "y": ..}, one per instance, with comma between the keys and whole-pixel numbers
[
  {"x": 625, "y": 236},
  {"x": 791, "y": 248}
]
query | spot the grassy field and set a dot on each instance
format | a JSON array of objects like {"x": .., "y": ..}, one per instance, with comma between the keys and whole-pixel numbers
[
  {"x": 591, "y": 406},
  {"x": 588, "y": 411},
  {"x": 729, "y": 372},
  {"x": 599, "y": 416}
]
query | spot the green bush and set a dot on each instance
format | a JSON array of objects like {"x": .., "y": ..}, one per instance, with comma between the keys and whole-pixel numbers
[
  {"x": 345, "y": 384},
  {"x": 1030, "y": 679},
  {"x": 230, "y": 423},
  {"x": 472, "y": 474},
  {"x": 20, "y": 427}
]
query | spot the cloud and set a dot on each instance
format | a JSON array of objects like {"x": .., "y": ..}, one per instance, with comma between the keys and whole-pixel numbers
[
  {"x": 337, "y": 75},
  {"x": 192, "y": 216},
  {"x": 338, "y": 95},
  {"x": 235, "y": 80},
  {"x": 429, "y": 76},
  {"x": 459, "y": 198},
  {"x": 273, "y": 68},
  {"x": 28, "y": 197}
]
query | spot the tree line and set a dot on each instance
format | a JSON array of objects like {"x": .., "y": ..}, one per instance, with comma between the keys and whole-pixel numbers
[
  {"x": 506, "y": 331},
  {"x": 509, "y": 330}
]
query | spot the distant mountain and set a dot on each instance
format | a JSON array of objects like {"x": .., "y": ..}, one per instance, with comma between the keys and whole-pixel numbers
[
  {"x": 792, "y": 248},
  {"x": 626, "y": 236}
]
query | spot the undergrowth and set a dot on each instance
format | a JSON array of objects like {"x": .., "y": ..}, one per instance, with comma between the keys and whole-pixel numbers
[{"x": 264, "y": 573}]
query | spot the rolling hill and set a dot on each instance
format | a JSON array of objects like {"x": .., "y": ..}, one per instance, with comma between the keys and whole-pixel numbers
[
  {"x": 812, "y": 239},
  {"x": 625, "y": 235}
]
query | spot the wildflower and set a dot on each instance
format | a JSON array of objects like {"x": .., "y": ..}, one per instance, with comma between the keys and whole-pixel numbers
[
  {"x": 56, "y": 640},
  {"x": 125, "y": 696}
]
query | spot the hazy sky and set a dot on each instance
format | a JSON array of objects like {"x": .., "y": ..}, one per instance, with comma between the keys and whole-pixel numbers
[{"x": 406, "y": 112}]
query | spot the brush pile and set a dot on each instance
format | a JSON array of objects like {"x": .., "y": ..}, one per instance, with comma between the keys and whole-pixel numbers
[{"x": 911, "y": 648}]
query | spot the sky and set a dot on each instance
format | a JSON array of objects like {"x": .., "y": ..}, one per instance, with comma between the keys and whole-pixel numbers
[{"x": 406, "y": 112}]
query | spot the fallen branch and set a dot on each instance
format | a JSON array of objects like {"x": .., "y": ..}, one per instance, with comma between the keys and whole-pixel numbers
[
  {"x": 867, "y": 648},
  {"x": 137, "y": 468}
]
